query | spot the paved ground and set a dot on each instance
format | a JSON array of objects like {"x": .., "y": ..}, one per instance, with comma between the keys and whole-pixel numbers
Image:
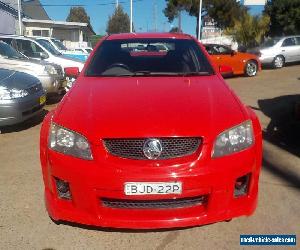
[{"x": 24, "y": 223}]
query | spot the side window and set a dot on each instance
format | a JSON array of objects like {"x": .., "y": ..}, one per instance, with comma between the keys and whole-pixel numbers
[
  {"x": 298, "y": 40},
  {"x": 288, "y": 42},
  {"x": 29, "y": 48},
  {"x": 7, "y": 40},
  {"x": 222, "y": 50}
]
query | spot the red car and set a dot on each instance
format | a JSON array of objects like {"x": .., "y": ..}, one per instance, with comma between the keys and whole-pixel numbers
[
  {"x": 150, "y": 140},
  {"x": 241, "y": 63}
]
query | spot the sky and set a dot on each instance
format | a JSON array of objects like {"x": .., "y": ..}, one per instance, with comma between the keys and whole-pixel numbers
[{"x": 144, "y": 14}]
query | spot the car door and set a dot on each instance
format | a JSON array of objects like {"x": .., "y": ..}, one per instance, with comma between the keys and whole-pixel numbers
[
  {"x": 214, "y": 55},
  {"x": 7, "y": 59},
  {"x": 289, "y": 49},
  {"x": 298, "y": 47},
  {"x": 229, "y": 58},
  {"x": 29, "y": 48}
]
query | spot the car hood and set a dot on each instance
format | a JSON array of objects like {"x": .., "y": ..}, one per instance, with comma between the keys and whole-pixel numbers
[
  {"x": 18, "y": 80},
  {"x": 131, "y": 107}
]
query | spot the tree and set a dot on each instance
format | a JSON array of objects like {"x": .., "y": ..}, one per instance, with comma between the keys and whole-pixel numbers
[
  {"x": 78, "y": 14},
  {"x": 284, "y": 16},
  {"x": 119, "y": 22},
  {"x": 95, "y": 39},
  {"x": 249, "y": 30},
  {"x": 224, "y": 12}
]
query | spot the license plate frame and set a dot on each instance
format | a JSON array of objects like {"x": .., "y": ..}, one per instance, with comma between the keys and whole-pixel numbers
[{"x": 152, "y": 188}]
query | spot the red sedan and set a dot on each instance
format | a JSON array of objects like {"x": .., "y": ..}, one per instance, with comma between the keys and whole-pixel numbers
[{"x": 150, "y": 138}]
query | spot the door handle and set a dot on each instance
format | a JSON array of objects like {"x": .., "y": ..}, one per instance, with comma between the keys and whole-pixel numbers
[{"x": 283, "y": 50}]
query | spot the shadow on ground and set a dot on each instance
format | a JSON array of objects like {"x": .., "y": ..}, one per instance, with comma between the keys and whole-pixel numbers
[
  {"x": 284, "y": 127},
  {"x": 34, "y": 121},
  {"x": 284, "y": 132}
]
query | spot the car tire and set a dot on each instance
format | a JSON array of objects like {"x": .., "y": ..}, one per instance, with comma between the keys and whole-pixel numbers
[
  {"x": 251, "y": 68},
  {"x": 278, "y": 62}
]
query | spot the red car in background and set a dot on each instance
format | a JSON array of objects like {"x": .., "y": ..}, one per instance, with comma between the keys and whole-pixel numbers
[
  {"x": 150, "y": 138},
  {"x": 241, "y": 63}
]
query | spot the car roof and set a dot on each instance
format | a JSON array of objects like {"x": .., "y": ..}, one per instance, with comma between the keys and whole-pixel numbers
[
  {"x": 18, "y": 37},
  {"x": 125, "y": 36}
]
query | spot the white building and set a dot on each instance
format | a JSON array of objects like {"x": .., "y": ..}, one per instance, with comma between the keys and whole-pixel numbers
[{"x": 36, "y": 22}]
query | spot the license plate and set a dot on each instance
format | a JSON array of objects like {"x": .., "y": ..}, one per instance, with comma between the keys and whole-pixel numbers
[
  {"x": 42, "y": 99},
  {"x": 148, "y": 188}
]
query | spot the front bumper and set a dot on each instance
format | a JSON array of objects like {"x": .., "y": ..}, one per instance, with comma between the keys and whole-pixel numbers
[
  {"x": 18, "y": 110},
  {"x": 264, "y": 59},
  {"x": 52, "y": 84},
  {"x": 104, "y": 177}
]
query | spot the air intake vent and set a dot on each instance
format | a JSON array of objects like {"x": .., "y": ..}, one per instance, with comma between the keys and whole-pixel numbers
[{"x": 154, "y": 204}]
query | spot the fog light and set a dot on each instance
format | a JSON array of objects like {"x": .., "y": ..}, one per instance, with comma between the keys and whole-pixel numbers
[
  {"x": 241, "y": 185},
  {"x": 63, "y": 189}
]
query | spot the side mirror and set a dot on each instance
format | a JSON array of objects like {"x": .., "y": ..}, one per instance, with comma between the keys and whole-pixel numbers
[
  {"x": 225, "y": 70},
  {"x": 72, "y": 72},
  {"x": 233, "y": 53},
  {"x": 44, "y": 55}
]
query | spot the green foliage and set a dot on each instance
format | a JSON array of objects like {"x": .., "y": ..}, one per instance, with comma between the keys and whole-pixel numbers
[
  {"x": 249, "y": 30},
  {"x": 284, "y": 16},
  {"x": 119, "y": 22},
  {"x": 78, "y": 14},
  {"x": 224, "y": 12},
  {"x": 95, "y": 39}
]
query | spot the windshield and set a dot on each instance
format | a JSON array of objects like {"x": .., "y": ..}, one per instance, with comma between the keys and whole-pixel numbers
[
  {"x": 135, "y": 57},
  {"x": 59, "y": 44},
  {"x": 270, "y": 42},
  {"x": 48, "y": 46},
  {"x": 9, "y": 52}
]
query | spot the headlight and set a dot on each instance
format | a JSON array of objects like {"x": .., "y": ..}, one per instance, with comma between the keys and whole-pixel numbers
[
  {"x": 234, "y": 140},
  {"x": 9, "y": 94},
  {"x": 50, "y": 70},
  {"x": 69, "y": 142}
]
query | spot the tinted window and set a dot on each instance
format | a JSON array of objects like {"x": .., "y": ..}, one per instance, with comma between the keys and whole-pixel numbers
[
  {"x": 298, "y": 40},
  {"x": 270, "y": 42},
  {"x": 8, "y": 52},
  {"x": 289, "y": 42},
  {"x": 48, "y": 46},
  {"x": 148, "y": 57},
  {"x": 29, "y": 48},
  {"x": 7, "y": 40},
  {"x": 59, "y": 44}
]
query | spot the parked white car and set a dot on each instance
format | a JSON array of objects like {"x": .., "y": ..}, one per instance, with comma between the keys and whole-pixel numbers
[
  {"x": 50, "y": 75},
  {"x": 58, "y": 45},
  {"x": 34, "y": 50},
  {"x": 278, "y": 51}
]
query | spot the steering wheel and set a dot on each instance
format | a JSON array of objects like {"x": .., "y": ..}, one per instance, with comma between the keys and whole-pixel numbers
[{"x": 121, "y": 65}]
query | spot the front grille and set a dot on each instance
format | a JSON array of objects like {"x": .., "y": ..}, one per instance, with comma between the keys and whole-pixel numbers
[
  {"x": 154, "y": 204},
  {"x": 171, "y": 147},
  {"x": 34, "y": 89}
]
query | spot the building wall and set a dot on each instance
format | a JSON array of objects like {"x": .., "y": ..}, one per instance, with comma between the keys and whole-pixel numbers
[{"x": 8, "y": 23}]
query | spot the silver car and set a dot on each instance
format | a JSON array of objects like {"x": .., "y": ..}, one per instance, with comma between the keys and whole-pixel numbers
[
  {"x": 278, "y": 51},
  {"x": 21, "y": 97},
  {"x": 50, "y": 75}
]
